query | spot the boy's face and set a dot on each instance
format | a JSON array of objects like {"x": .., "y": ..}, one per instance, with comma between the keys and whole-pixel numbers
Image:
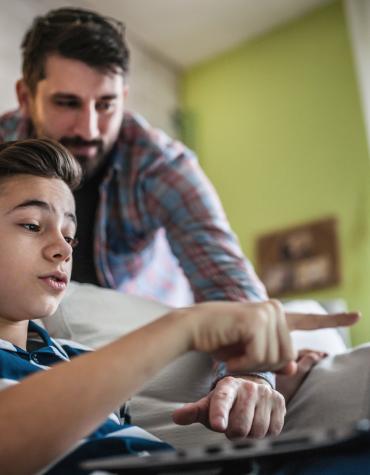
[
  {"x": 78, "y": 106},
  {"x": 38, "y": 224}
]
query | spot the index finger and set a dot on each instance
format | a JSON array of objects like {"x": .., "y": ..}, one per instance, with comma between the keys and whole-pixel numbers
[
  {"x": 221, "y": 401},
  {"x": 310, "y": 321}
]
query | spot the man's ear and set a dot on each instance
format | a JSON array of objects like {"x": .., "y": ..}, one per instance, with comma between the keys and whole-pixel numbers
[
  {"x": 125, "y": 90},
  {"x": 24, "y": 97}
]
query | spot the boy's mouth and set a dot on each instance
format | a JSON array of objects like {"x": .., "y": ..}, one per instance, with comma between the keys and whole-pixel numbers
[{"x": 56, "y": 280}]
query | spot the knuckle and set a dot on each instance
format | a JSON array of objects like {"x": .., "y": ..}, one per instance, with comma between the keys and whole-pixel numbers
[
  {"x": 236, "y": 432},
  {"x": 279, "y": 402},
  {"x": 250, "y": 389},
  {"x": 222, "y": 396},
  {"x": 276, "y": 427},
  {"x": 227, "y": 385},
  {"x": 277, "y": 306},
  {"x": 224, "y": 392},
  {"x": 227, "y": 381},
  {"x": 262, "y": 313},
  {"x": 264, "y": 391},
  {"x": 258, "y": 430}
]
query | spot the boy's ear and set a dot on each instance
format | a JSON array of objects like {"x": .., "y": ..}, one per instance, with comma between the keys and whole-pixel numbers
[{"x": 24, "y": 97}]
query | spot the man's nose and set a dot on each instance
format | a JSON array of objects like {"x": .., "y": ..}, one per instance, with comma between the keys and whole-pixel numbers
[{"x": 87, "y": 123}]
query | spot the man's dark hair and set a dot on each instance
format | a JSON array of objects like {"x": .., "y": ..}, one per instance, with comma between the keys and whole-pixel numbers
[
  {"x": 39, "y": 157},
  {"x": 73, "y": 33}
]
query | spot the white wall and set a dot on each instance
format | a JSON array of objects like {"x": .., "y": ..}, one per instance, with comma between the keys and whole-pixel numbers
[
  {"x": 358, "y": 19},
  {"x": 153, "y": 88},
  {"x": 153, "y": 82}
]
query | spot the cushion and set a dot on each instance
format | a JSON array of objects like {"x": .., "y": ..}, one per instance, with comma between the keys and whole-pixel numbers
[{"x": 335, "y": 394}]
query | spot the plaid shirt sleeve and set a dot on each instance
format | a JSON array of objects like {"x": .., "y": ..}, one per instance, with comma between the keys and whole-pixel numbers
[{"x": 180, "y": 198}]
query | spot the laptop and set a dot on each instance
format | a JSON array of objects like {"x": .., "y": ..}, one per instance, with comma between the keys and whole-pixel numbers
[{"x": 242, "y": 457}]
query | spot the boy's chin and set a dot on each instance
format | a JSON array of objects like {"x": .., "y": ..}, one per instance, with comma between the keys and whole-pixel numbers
[{"x": 48, "y": 310}]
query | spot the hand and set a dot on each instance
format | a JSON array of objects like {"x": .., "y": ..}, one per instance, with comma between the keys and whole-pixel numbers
[
  {"x": 288, "y": 385},
  {"x": 238, "y": 407},
  {"x": 254, "y": 335}
]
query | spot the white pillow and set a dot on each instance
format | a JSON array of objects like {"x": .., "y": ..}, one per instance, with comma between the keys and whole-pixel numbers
[{"x": 94, "y": 316}]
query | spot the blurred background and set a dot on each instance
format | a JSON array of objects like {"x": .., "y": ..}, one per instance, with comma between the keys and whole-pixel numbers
[{"x": 273, "y": 95}]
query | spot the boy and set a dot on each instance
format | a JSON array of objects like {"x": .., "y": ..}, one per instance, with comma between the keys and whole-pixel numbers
[{"x": 38, "y": 226}]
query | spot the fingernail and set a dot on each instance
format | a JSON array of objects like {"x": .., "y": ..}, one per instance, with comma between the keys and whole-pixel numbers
[{"x": 220, "y": 422}]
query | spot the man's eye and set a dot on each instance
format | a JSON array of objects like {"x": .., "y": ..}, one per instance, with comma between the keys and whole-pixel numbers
[
  {"x": 34, "y": 228},
  {"x": 67, "y": 103},
  {"x": 104, "y": 106},
  {"x": 73, "y": 242}
]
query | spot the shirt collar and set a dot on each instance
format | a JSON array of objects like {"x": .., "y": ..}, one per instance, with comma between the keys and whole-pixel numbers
[{"x": 43, "y": 335}]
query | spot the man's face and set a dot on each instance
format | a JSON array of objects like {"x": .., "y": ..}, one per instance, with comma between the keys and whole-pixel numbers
[
  {"x": 38, "y": 224},
  {"x": 80, "y": 107}
]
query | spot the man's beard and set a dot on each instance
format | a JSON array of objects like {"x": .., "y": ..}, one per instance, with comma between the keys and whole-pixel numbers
[{"x": 90, "y": 164}]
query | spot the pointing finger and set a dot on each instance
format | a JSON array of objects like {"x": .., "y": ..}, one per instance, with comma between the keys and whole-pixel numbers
[
  {"x": 308, "y": 321},
  {"x": 221, "y": 402}
]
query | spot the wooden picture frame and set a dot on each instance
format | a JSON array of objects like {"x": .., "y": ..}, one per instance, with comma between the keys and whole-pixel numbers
[{"x": 299, "y": 258}]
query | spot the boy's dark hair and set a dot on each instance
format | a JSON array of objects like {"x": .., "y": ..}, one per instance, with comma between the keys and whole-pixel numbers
[
  {"x": 39, "y": 157},
  {"x": 73, "y": 33}
]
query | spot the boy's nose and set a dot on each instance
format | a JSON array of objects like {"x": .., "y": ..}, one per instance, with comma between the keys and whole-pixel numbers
[{"x": 58, "y": 250}]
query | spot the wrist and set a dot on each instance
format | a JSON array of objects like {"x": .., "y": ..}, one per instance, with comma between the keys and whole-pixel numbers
[
  {"x": 262, "y": 378},
  {"x": 183, "y": 319},
  {"x": 255, "y": 379},
  {"x": 221, "y": 371}
]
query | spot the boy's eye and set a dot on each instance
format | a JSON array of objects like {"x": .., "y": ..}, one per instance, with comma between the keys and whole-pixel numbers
[
  {"x": 34, "y": 228},
  {"x": 73, "y": 242}
]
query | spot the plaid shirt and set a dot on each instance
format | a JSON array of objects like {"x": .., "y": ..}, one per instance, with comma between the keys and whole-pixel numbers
[{"x": 159, "y": 219}]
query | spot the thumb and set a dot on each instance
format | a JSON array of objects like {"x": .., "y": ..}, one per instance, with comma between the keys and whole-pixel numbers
[
  {"x": 288, "y": 370},
  {"x": 191, "y": 412},
  {"x": 307, "y": 361}
]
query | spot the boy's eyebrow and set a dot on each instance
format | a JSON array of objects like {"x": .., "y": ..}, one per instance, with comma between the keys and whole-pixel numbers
[{"x": 43, "y": 205}]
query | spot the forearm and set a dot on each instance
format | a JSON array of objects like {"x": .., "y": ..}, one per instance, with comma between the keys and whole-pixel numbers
[{"x": 81, "y": 394}]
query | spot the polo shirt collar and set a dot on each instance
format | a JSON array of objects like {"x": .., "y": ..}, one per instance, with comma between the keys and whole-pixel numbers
[{"x": 48, "y": 341}]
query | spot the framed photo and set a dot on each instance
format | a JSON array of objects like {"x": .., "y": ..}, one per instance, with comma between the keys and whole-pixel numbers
[{"x": 300, "y": 258}]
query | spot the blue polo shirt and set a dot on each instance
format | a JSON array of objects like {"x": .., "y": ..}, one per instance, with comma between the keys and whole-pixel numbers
[{"x": 111, "y": 438}]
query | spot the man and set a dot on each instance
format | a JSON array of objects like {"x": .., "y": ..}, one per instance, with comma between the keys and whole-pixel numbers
[{"x": 144, "y": 204}]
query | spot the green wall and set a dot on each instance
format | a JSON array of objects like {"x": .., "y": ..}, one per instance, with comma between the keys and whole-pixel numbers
[{"x": 278, "y": 127}]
